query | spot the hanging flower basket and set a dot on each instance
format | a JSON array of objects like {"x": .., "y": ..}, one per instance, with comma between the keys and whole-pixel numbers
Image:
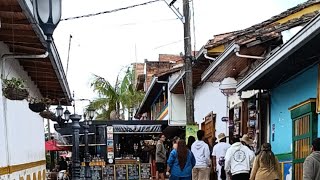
[
  {"x": 48, "y": 115},
  {"x": 13, "y": 89},
  {"x": 37, "y": 107}
]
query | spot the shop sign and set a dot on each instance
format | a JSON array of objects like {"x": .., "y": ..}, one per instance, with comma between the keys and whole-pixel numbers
[
  {"x": 136, "y": 128},
  {"x": 109, "y": 129},
  {"x": 225, "y": 119},
  {"x": 191, "y": 130}
]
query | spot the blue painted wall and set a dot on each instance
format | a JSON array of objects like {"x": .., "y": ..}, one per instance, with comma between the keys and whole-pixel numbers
[{"x": 298, "y": 89}]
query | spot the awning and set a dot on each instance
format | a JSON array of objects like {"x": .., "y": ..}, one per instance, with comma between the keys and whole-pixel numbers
[
  {"x": 52, "y": 145},
  {"x": 295, "y": 55}
]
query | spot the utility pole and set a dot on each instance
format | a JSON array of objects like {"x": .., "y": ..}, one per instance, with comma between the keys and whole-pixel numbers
[
  {"x": 188, "y": 64},
  {"x": 185, "y": 19}
]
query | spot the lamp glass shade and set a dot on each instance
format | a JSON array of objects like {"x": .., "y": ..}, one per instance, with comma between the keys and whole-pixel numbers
[
  {"x": 67, "y": 115},
  {"x": 42, "y": 10},
  {"x": 48, "y": 14},
  {"x": 59, "y": 111},
  {"x": 56, "y": 11},
  {"x": 91, "y": 112}
]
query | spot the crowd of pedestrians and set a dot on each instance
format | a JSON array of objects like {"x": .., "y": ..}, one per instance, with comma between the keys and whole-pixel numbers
[{"x": 203, "y": 159}]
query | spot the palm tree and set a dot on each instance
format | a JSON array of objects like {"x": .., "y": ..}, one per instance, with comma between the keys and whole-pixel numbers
[{"x": 113, "y": 99}]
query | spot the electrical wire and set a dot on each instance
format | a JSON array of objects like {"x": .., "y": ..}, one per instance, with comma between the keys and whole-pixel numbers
[{"x": 109, "y": 11}]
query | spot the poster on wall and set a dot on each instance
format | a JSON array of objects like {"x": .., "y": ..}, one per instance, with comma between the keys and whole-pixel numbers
[
  {"x": 191, "y": 130},
  {"x": 287, "y": 171}
]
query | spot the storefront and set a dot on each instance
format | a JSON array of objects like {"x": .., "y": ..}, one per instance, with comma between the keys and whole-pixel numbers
[{"x": 123, "y": 149}]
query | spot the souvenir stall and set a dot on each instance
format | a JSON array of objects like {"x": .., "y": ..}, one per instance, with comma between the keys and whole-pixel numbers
[
  {"x": 122, "y": 149},
  {"x": 248, "y": 115}
]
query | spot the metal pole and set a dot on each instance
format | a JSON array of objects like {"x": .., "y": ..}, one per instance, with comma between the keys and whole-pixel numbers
[
  {"x": 188, "y": 63},
  {"x": 75, "y": 146},
  {"x": 86, "y": 152}
]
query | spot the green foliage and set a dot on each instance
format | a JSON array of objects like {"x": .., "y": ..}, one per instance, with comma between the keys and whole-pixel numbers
[
  {"x": 112, "y": 98},
  {"x": 13, "y": 83}
]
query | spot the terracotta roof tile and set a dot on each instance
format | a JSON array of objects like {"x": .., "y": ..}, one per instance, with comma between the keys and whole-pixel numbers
[{"x": 267, "y": 28}]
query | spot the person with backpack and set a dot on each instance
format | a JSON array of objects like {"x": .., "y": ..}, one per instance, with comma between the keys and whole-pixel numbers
[
  {"x": 218, "y": 156},
  {"x": 311, "y": 165}
]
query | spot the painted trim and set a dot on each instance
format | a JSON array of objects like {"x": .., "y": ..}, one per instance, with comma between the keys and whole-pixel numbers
[
  {"x": 164, "y": 112},
  {"x": 177, "y": 81},
  {"x": 221, "y": 58},
  {"x": 21, "y": 167},
  {"x": 300, "y": 13},
  {"x": 302, "y": 104},
  {"x": 218, "y": 49},
  {"x": 284, "y": 157},
  {"x": 309, "y": 31}
]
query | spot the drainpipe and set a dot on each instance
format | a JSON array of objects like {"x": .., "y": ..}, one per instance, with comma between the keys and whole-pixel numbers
[
  {"x": 237, "y": 51},
  {"x": 4, "y": 57},
  {"x": 205, "y": 53}
]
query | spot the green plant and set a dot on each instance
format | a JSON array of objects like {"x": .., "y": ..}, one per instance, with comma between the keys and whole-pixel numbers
[
  {"x": 13, "y": 83},
  {"x": 14, "y": 89}
]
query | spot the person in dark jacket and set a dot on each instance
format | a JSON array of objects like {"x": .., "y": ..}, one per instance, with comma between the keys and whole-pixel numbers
[
  {"x": 62, "y": 164},
  {"x": 181, "y": 161},
  {"x": 311, "y": 165},
  {"x": 191, "y": 140}
]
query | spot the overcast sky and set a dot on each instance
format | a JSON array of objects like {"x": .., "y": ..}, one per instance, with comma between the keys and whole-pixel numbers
[{"x": 104, "y": 44}]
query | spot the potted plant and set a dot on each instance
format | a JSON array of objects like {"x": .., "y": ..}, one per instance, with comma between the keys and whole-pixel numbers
[
  {"x": 47, "y": 114},
  {"x": 39, "y": 104},
  {"x": 14, "y": 89}
]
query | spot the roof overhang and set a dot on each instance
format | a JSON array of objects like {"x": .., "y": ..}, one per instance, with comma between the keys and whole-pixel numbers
[
  {"x": 23, "y": 36},
  {"x": 200, "y": 65},
  {"x": 295, "y": 55},
  {"x": 154, "y": 89},
  {"x": 221, "y": 58}
]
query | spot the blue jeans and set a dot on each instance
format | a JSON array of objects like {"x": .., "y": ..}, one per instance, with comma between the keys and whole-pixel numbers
[{"x": 172, "y": 177}]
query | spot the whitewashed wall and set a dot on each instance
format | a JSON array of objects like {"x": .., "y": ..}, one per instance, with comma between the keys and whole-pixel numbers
[
  {"x": 176, "y": 105},
  {"x": 25, "y": 129},
  {"x": 209, "y": 98}
]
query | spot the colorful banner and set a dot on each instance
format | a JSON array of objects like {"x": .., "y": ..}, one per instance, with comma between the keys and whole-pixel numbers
[{"x": 191, "y": 130}]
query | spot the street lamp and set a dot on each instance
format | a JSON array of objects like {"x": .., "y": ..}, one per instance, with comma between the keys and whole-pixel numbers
[
  {"x": 59, "y": 111},
  {"x": 48, "y": 15},
  {"x": 87, "y": 122}
]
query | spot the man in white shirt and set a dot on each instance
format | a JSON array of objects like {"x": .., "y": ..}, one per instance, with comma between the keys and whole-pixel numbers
[
  {"x": 218, "y": 156},
  {"x": 238, "y": 160},
  {"x": 201, "y": 152}
]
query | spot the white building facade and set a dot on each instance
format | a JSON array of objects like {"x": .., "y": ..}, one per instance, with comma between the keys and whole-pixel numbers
[{"x": 22, "y": 134}]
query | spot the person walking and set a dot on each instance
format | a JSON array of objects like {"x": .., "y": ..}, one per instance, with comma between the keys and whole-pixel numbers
[
  {"x": 201, "y": 152},
  {"x": 311, "y": 165},
  {"x": 181, "y": 161},
  {"x": 160, "y": 157},
  {"x": 266, "y": 166},
  {"x": 238, "y": 160},
  {"x": 218, "y": 156}
]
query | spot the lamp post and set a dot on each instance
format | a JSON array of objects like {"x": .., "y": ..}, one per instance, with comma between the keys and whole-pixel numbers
[
  {"x": 87, "y": 122},
  {"x": 75, "y": 146}
]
